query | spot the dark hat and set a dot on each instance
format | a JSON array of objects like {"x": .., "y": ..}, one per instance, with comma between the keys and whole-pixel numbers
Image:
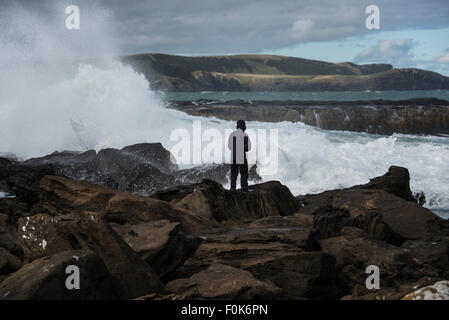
[{"x": 241, "y": 125}]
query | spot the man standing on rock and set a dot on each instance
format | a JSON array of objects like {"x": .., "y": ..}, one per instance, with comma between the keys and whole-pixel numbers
[{"x": 239, "y": 143}]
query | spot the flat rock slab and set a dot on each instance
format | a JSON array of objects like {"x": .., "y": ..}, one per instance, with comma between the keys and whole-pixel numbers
[
  {"x": 162, "y": 244},
  {"x": 223, "y": 282}
]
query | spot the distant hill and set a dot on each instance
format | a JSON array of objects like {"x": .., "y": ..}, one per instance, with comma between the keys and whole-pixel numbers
[{"x": 276, "y": 73}]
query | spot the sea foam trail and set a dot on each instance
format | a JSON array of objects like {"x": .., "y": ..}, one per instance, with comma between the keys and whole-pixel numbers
[{"x": 111, "y": 106}]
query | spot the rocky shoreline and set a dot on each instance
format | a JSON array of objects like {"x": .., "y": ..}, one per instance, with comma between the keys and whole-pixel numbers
[
  {"x": 414, "y": 116},
  {"x": 193, "y": 239}
]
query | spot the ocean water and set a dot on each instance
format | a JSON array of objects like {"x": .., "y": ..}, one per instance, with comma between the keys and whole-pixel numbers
[{"x": 307, "y": 96}]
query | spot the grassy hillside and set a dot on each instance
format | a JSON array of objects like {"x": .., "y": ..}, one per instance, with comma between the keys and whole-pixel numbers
[{"x": 275, "y": 73}]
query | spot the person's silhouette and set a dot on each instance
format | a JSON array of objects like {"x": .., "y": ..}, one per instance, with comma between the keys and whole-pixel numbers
[{"x": 239, "y": 143}]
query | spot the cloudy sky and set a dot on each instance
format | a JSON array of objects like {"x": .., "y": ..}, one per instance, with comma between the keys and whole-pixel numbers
[{"x": 413, "y": 33}]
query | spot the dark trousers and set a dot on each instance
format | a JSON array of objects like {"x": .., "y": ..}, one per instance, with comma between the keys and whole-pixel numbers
[{"x": 243, "y": 168}]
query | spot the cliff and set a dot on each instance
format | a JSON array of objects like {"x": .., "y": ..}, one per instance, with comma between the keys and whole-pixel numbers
[{"x": 276, "y": 73}]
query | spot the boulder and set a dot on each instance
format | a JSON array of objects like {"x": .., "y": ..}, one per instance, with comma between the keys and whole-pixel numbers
[
  {"x": 306, "y": 275},
  {"x": 8, "y": 236},
  {"x": 61, "y": 195},
  {"x": 238, "y": 255},
  {"x": 141, "y": 168},
  {"x": 155, "y": 154},
  {"x": 434, "y": 254},
  {"x": 384, "y": 208},
  {"x": 45, "y": 279},
  {"x": 400, "y": 267},
  {"x": 8, "y": 263},
  {"x": 196, "y": 207},
  {"x": 24, "y": 181},
  {"x": 131, "y": 276},
  {"x": 329, "y": 221},
  {"x": 271, "y": 237},
  {"x": 162, "y": 244},
  {"x": 44, "y": 235},
  {"x": 271, "y": 248},
  {"x": 354, "y": 253},
  {"x": 223, "y": 282},
  {"x": 437, "y": 291},
  {"x": 265, "y": 199},
  {"x": 396, "y": 181}
]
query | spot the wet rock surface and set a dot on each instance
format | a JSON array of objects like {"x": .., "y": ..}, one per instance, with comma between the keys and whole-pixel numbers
[
  {"x": 414, "y": 116},
  {"x": 45, "y": 278},
  {"x": 223, "y": 282},
  {"x": 139, "y": 169},
  {"x": 193, "y": 240}
]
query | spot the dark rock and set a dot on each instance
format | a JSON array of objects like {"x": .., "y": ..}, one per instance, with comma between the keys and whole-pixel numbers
[
  {"x": 8, "y": 263},
  {"x": 266, "y": 199},
  {"x": 272, "y": 249},
  {"x": 329, "y": 221},
  {"x": 162, "y": 244},
  {"x": 139, "y": 169},
  {"x": 307, "y": 275},
  {"x": 131, "y": 276},
  {"x": 60, "y": 195},
  {"x": 142, "y": 168},
  {"x": 24, "y": 181},
  {"x": 384, "y": 208},
  {"x": 44, "y": 235},
  {"x": 283, "y": 222},
  {"x": 157, "y": 296},
  {"x": 239, "y": 251},
  {"x": 396, "y": 181},
  {"x": 354, "y": 253},
  {"x": 45, "y": 278},
  {"x": 432, "y": 254},
  {"x": 8, "y": 236},
  {"x": 155, "y": 154},
  {"x": 4, "y": 163},
  {"x": 436, "y": 291},
  {"x": 223, "y": 282},
  {"x": 414, "y": 116}
]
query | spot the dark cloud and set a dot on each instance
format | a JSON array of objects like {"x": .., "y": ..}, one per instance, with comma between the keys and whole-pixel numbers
[
  {"x": 236, "y": 26},
  {"x": 228, "y": 26}
]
